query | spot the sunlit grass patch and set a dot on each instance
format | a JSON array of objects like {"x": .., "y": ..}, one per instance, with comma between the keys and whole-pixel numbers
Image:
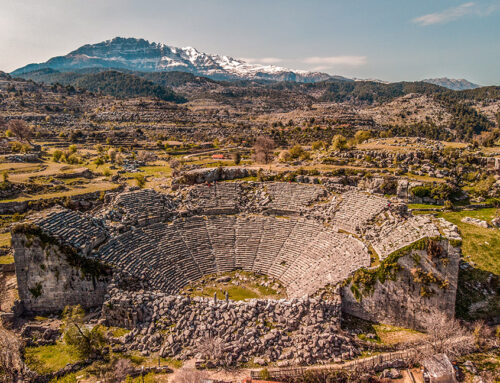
[
  {"x": 479, "y": 245},
  {"x": 51, "y": 358}
]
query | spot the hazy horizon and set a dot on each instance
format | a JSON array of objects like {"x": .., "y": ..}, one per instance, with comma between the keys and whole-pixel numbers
[{"x": 387, "y": 41}]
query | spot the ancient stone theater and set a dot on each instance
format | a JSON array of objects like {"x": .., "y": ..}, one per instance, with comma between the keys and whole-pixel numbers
[{"x": 334, "y": 249}]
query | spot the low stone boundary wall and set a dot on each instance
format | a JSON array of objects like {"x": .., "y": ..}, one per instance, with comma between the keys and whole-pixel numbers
[
  {"x": 13, "y": 207},
  {"x": 8, "y": 268},
  {"x": 377, "y": 363}
]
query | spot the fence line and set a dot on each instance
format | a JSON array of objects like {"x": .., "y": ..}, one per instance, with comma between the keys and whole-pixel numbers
[{"x": 361, "y": 364}]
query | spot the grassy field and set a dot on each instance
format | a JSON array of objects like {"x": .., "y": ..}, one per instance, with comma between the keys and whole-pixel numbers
[
  {"x": 89, "y": 188},
  {"x": 45, "y": 359},
  {"x": 5, "y": 239},
  {"x": 384, "y": 334},
  {"x": 242, "y": 286},
  {"x": 6, "y": 259},
  {"x": 480, "y": 246},
  {"x": 423, "y": 206},
  {"x": 425, "y": 178}
]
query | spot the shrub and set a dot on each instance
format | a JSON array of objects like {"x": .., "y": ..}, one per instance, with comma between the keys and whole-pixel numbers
[
  {"x": 140, "y": 180},
  {"x": 296, "y": 151},
  {"x": 421, "y": 191},
  {"x": 56, "y": 156},
  {"x": 339, "y": 142},
  {"x": 317, "y": 145}
]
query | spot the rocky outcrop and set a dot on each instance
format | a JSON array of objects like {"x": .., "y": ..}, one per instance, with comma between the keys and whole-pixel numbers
[{"x": 410, "y": 288}]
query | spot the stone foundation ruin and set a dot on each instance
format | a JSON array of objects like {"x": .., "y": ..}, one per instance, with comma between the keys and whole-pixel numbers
[{"x": 333, "y": 247}]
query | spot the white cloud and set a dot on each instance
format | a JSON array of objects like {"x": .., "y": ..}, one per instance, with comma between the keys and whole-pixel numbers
[
  {"x": 454, "y": 13},
  {"x": 327, "y": 62},
  {"x": 263, "y": 60}
]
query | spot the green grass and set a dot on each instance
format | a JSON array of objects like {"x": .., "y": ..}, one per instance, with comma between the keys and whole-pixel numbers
[
  {"x": 236, "y": 293},
  {"x": 425, "y": 178},
  {"x": 70, "y": 378},
  {"x": 172, "y": 362},
  {"x": 479, "y": 245},
  {"x": 5, "y": 239},
  {"x": 149, "y": 378},
  {"x": 46, "y": 359},
  {"x": 423, "y": 206},
  {"x": 6, "y": 259},
  {"x": 119, "y": 331},
  {"x": 241, "y": 286},
  {"x": 384, "y": 334},
  {"x": 89, "y": 188}
]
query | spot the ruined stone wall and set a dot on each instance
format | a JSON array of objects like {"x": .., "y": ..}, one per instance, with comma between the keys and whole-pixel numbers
[
  {"x": 422, "y": 285},
  {"x": 301, "y": 331},
  {"x": 47, "y": 281}
]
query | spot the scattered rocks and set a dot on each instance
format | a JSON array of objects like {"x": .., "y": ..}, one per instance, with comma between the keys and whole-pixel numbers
[{"x": 476, "y": 222}]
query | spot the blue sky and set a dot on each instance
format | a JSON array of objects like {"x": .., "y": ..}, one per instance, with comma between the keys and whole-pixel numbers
[{"x": 385, "y": 39}]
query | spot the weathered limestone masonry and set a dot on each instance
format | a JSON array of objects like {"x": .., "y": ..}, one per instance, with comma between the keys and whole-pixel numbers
[
  {"x": 413, "y": 285},
  {"x": 298, "y": 331},
  {"x": 51, "y": 265}
]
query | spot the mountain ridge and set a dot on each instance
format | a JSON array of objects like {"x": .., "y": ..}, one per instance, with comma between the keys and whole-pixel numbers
[
  {"x": 452, "y": 83},
  {"x": 141, "y": 55}
]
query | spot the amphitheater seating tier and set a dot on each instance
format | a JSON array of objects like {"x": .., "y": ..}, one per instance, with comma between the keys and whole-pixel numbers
[
  {"x": 78, "y": 230},
  {"x": 392, "y": 236},
  {"x": 304, "y": 255},
  {"x": 356, "y": 209}
]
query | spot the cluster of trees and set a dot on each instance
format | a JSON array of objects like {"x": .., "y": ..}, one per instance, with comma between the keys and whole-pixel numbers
[
  {"x": 125, "y": 85},
  {"x": 69, "y": 156},
  {"x": 264, "y": 147}
]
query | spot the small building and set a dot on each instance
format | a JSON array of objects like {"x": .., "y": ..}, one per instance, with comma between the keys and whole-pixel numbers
[
  {"x": 438, "y": 369},
  {"x": 218, "y": 156}
]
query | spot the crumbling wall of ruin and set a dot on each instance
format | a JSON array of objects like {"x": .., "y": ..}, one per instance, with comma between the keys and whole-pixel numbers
[
  {"x": 48, "y": 280},
  {"x": 422, "y": 284},
  {"x": 296, "y": 331}
]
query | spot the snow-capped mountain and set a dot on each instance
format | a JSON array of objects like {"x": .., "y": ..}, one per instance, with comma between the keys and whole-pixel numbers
[
  {"x": 141, "y": 55},
  {"x": 453, "y": 84}
]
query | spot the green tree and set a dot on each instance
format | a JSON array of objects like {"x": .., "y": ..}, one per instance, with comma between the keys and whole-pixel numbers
[
  {"x": 317, "y": 145},
  {"x": 362, "y": 135},
  {"x": 339, "y": 142},
  {"x": 140, "y": 180},
  {"x": 236, "y": 157},
  {"x": 88, "y": 342}
]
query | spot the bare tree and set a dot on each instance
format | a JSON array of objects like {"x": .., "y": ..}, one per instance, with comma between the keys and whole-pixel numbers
[
  {"x": 118, "y": 371},
  {"x": 12, "y": 367},
  {"x": 264, "y": 148},
  {"x": 190, "y": 375},
  {"x": 212, "y": 349},
  {"x": 175, "y": 165},
  {"x": 20, "y": 129},
  {"x": 446, "y": 335},
  {"x": 3, "y": 289},
  {"x": 146, "y": 156}
]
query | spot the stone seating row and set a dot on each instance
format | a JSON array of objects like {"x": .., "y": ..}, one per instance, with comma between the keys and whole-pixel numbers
[
  {"x": 356, "y": 209},
  {"x": 298, "y": 252},
  {"x": 78, "y": 230},
  {"x": 393, "y": 236}
]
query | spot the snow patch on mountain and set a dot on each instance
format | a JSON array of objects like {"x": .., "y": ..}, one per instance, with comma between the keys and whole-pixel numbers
[{"x": 453, "y": 84}]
